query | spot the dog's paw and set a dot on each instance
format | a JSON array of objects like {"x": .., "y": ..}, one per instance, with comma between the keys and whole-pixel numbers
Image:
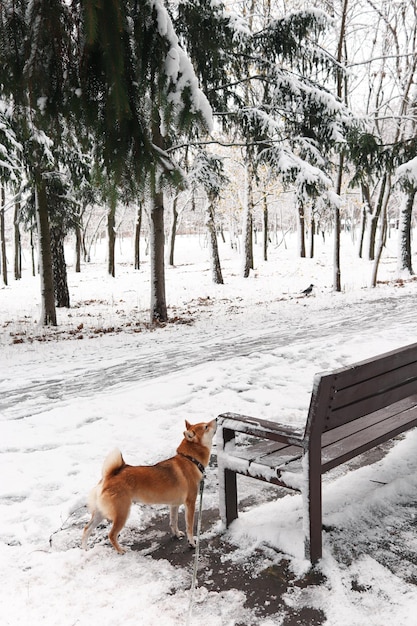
[
  {"x": 178, "y": 534},
  {"x": 191, "y": 544}
]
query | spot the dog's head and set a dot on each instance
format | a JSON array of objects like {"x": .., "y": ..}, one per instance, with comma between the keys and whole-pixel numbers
[{"x": 201, "y": 433}]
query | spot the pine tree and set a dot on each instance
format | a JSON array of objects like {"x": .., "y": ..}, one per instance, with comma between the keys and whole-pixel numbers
[
  {"x": 114, "y": 73},
  {"x": 208, "y": 172},
  {"x": 266, "y": 84}
]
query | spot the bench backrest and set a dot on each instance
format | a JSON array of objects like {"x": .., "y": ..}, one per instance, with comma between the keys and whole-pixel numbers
[{"x": 344, "y": 395}]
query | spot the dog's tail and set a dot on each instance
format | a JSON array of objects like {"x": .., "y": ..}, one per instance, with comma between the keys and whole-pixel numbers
[{"x": 113, "y": 462}]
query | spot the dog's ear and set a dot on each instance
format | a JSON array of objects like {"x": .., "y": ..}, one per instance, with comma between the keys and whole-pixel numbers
[{"x": 189, "y": 434}]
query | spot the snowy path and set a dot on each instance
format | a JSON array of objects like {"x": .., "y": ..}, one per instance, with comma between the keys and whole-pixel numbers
[{"x": 158, "y": 355}]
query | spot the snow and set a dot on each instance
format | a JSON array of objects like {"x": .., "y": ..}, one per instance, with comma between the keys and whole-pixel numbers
[
  {"x": 407, "y": 172},
  {"x": 103, "y": 378},
  {"x": 179, "y": 69}
]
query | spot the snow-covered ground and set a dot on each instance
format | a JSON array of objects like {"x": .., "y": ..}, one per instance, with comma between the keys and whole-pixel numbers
[{"x": 103, "y": 378}]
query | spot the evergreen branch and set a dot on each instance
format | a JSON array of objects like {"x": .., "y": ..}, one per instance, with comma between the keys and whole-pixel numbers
[{"x": 225, "y": 144}]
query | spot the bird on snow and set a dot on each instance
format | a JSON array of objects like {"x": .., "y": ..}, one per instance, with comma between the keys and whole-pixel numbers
[{"x": 308, "y": 291}]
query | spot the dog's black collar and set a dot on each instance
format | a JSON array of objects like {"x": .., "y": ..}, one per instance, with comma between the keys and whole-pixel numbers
[{"x": 199, "y": 465}]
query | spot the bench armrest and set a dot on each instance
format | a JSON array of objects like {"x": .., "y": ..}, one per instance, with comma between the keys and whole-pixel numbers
[{"x": 266, "y": 429}]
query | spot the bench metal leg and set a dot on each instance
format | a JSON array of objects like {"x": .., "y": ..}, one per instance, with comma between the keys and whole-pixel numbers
[
  {"x": 227, "y": 479},
  {"x": 230, "y": 495},
  {"x": 313, "y": 526}
]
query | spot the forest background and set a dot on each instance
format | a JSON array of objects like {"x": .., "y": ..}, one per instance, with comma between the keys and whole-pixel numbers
[{"x": 239, "y": 119}]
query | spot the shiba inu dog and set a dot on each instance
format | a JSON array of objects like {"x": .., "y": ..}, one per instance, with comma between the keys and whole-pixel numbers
[{"x": 173, "y": 482}]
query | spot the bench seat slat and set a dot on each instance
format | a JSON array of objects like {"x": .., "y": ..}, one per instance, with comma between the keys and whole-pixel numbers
[
  {"x": 275, "y": 457},
  {"x": 257, "y": 449}
]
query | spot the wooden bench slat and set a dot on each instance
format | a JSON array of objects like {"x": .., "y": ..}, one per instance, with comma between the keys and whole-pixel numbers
[
  {"x": 284, "y": 433},
  {"x": 375, "y": 366},
  {"x": 375, "y": 385},
  {"x": 275, "y": 456},
  {"x": 258, "y": 450},
  {"x": 368, "y": 405},
  {"x": 345, "y": 449},
  {"x": 333, "y": 435}
]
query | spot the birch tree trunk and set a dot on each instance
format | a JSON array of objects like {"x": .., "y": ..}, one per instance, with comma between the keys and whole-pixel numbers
[
  {"x": 301, "y": 228},
  {"x": 404, "y": 233},
  {"x": 337, "y": 282},
  {"x": 247, "y": 241},
  {"x": 216, "y": 270}
]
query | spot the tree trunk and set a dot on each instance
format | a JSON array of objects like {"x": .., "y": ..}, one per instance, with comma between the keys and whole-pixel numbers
[
  {"x": 158, "y": 303},
  {"x": 3, "y": 236},
  {"x": 173, "y": 231},
  {"x": 158, "y": 308},
  {"x": 301, "y": 228},
  {"x": 382, "y": 236},
  {"x": 32, "y": 253},
  {"x": 247, "y": 241},
  {"x": 214, "y": 249},
  {"x": 60, "y": 269},
  {"x": 337, "y": 286},
  {"x": 362, "y": 235},
  {"x": 266, "y": 234},
  {"x": 111, "y": 233},
  {"x": 404, "y": 233},
  {"x": 138, "y": 226},
  {"x": 375, "y": 218},
  {"x": 48, "y": 311},
  {"x": 312, "y": 235},
  {"x": 17, "y": 241},
  {"x": 78, "y": 246},
  {"x": 337, "y": 283}
]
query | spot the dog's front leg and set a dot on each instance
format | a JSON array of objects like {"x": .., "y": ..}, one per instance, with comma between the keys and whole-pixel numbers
[
  {"x": 189, "y": 520},
  {"x": 173, "y": 522}
]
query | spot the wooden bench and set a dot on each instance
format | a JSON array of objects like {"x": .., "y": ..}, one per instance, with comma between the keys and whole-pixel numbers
[{"x": 352, "y": 410}]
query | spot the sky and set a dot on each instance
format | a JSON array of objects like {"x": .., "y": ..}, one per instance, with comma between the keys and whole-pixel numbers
[{"x": 103, "y": 378}]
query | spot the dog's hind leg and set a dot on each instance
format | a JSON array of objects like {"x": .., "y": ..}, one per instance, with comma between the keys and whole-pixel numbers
[
  {"x": 173, "y": 522},
  {"x": 95, "y": 520},
  {"x": 119, "y": 521}
]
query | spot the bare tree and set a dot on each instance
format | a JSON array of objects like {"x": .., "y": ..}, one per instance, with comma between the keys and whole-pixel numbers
[{"x": 391, "y": 110}]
